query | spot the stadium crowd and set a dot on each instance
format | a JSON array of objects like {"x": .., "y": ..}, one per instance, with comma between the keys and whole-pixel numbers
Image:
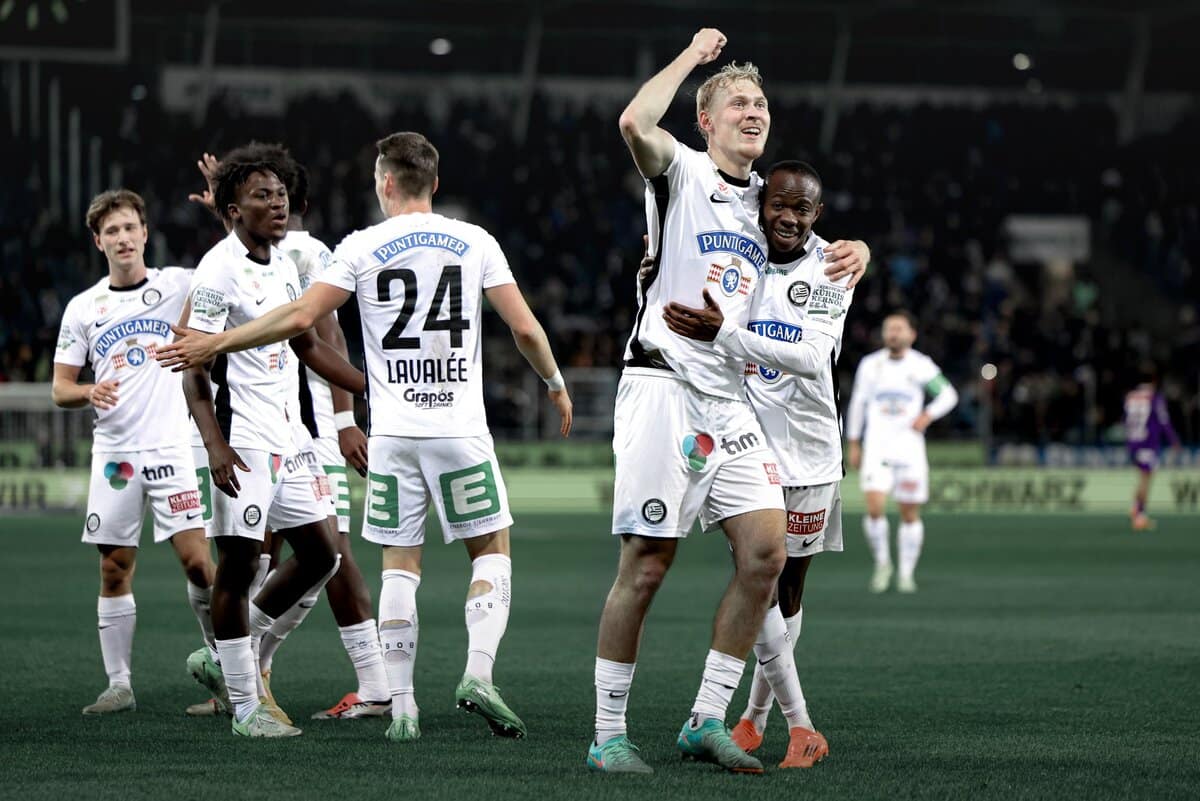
[{"x": 927, "y": 186}]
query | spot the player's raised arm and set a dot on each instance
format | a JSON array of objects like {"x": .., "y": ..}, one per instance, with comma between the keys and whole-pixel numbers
[
  {"x": 651, "y": 146},
  {"x": 534, "y": 346},
  {"x": 192, "y": 348}
]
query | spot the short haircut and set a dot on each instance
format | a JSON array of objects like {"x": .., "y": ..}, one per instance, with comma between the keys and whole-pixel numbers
[
  {"x": 291, "y": 172},
  {"x": 106, "y": 203},
  {"x": 722, "y": 79},
  {"x": 411, "y": 159},
  {"x": 799, "y": 168},
  {"x": 235, "y": 169},
  {"x": 907, "y": 316}
]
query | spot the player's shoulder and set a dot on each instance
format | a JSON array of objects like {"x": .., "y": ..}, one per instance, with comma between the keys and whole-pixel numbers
[
  {"x": 219, "y": 256},
  {"x": 84, "y": 301}
]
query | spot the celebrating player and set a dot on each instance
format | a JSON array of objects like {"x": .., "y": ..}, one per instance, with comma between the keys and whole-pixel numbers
[
  {"x": 421, "y": 279},
  {"x": 790, "y": 347},
  {"x": 890, "y": 387},
  {"x": 140, "y": 452},
  {"x": 686, "y": 441},
  {"x": 239, "y": 280}
]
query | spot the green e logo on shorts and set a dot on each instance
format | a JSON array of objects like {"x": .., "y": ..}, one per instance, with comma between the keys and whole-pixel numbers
[
  {"x": 470, "y": 494},
  {"x": 383, "y": 501}
]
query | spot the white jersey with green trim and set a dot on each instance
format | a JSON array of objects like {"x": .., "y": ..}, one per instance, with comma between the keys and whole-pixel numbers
[
  {"x": 796, "y": 304},
  {"x": 315, "y": 398},
  {"x": 117, "y": 330},
  {"x": 420, "y": 280},
  {"x": 254, "y": 391},
  {"x": 888, "y": 396},
  {"x": 703, "y": 227}
]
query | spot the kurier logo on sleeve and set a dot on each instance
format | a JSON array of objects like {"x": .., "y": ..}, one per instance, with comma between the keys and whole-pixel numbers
[{"x": 420, "y": 239}]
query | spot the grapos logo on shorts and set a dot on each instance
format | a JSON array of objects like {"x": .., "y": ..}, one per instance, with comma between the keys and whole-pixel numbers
[{"x": 470, "y": 493}]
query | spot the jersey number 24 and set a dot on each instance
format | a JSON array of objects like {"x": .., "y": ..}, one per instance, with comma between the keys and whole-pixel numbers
[{"x": 449, "y": 285}]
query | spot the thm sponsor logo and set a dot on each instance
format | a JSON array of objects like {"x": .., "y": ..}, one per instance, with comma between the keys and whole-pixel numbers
[{"x": 738, "y": 444}]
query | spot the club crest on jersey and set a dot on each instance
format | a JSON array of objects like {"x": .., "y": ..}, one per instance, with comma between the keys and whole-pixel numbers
[
  {"x": 277, "y": 361},
  {"x": 291, "y": 292},
  {"x": 798, "y": 293},
  {"x": 151, "y": 296},
  {"x": 734, "y": 243},
  {"x": 729, "y": 277}
]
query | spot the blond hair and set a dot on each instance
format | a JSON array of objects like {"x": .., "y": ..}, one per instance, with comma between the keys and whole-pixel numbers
[{"x": 722, "y": 79}]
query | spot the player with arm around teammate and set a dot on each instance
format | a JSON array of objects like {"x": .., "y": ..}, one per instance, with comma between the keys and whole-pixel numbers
[
  {"x": 421, "y": 279},
  {"x": 889, "y": 400},
  {"x": 140, "y": 453},
  {"x": 791, "y": 348}
]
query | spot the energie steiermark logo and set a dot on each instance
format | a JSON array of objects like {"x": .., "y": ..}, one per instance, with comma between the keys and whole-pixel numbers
[
  {"x": 696, "y": 448},
  {"x": 118, "y": 474}
]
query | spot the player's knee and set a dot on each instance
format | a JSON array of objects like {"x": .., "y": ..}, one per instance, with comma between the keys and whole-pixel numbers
[
  {"x": 647, "y": 576},
  {"x": 763, "y": 561},
  {"x": 478, "y": 588},
  {"x": 116, "y": 570}
]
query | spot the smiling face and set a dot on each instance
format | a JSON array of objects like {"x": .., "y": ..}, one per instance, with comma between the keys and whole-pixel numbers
[
  {"x": 122, "y": 239},
  {"x": 791, "y": 205},
  {"x": 736, "y": 124},
  {"x": 261, "y": 208}
]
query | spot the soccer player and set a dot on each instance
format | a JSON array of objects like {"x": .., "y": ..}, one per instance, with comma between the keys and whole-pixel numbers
[
  {"x": 790, "y": 347},
  {"x": 241, "y": 278},
  {"x": 889, "y": 399},
  {"x": 686, "y": 441},
  {"x": 327, "y": 436},
  {"x": 1147, "y": 428},
  {"x": 140, "y": 453},
  {"x": 421, "y": 279}
]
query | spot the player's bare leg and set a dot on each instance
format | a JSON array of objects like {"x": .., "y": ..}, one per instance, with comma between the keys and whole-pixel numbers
[
  {"x": 757, "y": 540},
  {"x": 116, "y": 615},
  {"x": 1138, "y": 517},
  {"x": 875, "y": 527},
  {"x": 642, "y": 565},
  {"x": 350, "y": 601}
]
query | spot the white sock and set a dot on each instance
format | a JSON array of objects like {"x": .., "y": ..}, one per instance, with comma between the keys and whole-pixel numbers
[
  {"x": 613, "y": 680},
  {"x": 284, "y": 625},
  {"x": 398, "y": 629},
  {"x": 238, "y": 665},
  {"x": 487, "y": 614},
  {"x": 722, "y": 673},
  {"x": 876, "y": 529},
  {"x": 758, "y": 705},
  {"x": 116, "y": 619},
  {"x": 200, "y": 599},
  {"x": 775, "y": 649},
  {"x": 260, "y": 623},
  {"x": 361, "y": 642},
  {"x": 260, "y": 575},
  {"x": 908, "y": 547}
]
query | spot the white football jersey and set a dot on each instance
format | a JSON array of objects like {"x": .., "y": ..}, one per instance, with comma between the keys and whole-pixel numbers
[
  {"x": 888, "y": 395},
  {"x": 704, "y": 232},
  {"x": 315, "y": 399},
  {"x": 118, "y": 331},
  {"x": 420, "y": 280},
  {"x": 800, "y": 416},
  {"x": 253, "y": 390}
]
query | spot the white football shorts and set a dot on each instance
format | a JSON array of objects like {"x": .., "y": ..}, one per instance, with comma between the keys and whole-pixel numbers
[
  {"x": 123, "y": 483},
  {"x": 329, "y": 455},
  {"x": 814, "y": 519},
  {"x": 908, "y": 482},
  {"x": 279, "y": 491}
]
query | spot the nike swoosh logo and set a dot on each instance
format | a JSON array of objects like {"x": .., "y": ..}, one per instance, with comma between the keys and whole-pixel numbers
[
  {"x": 769, "y": 661},
  {"x": 715, "y": 198},
  {"x": 193, "y": 516},
  {"x": 259, "y": 302},
  {"x": 618, "y": 695},
  {"x": 100, "y": 323},
  {"x": 807, "y": 543}
]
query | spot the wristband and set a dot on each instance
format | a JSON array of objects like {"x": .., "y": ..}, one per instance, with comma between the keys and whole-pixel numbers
[
  {"x": 344, "y": 420},
  {"x": 555, "y": 382}
]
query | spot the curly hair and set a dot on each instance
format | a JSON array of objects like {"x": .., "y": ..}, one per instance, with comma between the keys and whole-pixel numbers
[{"x": 239, "y": 164}]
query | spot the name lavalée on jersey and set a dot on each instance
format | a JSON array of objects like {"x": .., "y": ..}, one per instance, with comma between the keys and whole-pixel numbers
[
  {"x": 130, "y": 328},
  {"x": 735, "y": 243},
  {"x": 420, "y": 239},
  {"x": 427, "y": 371},
  {"x": 777, "y": 329}
]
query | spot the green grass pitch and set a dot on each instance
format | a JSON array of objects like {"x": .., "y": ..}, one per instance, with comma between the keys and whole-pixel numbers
[{"x": 1044, "y": 657}]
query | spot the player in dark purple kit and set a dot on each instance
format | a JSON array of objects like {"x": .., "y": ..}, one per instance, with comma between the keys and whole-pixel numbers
[{"x": 1147, "y": 429}]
